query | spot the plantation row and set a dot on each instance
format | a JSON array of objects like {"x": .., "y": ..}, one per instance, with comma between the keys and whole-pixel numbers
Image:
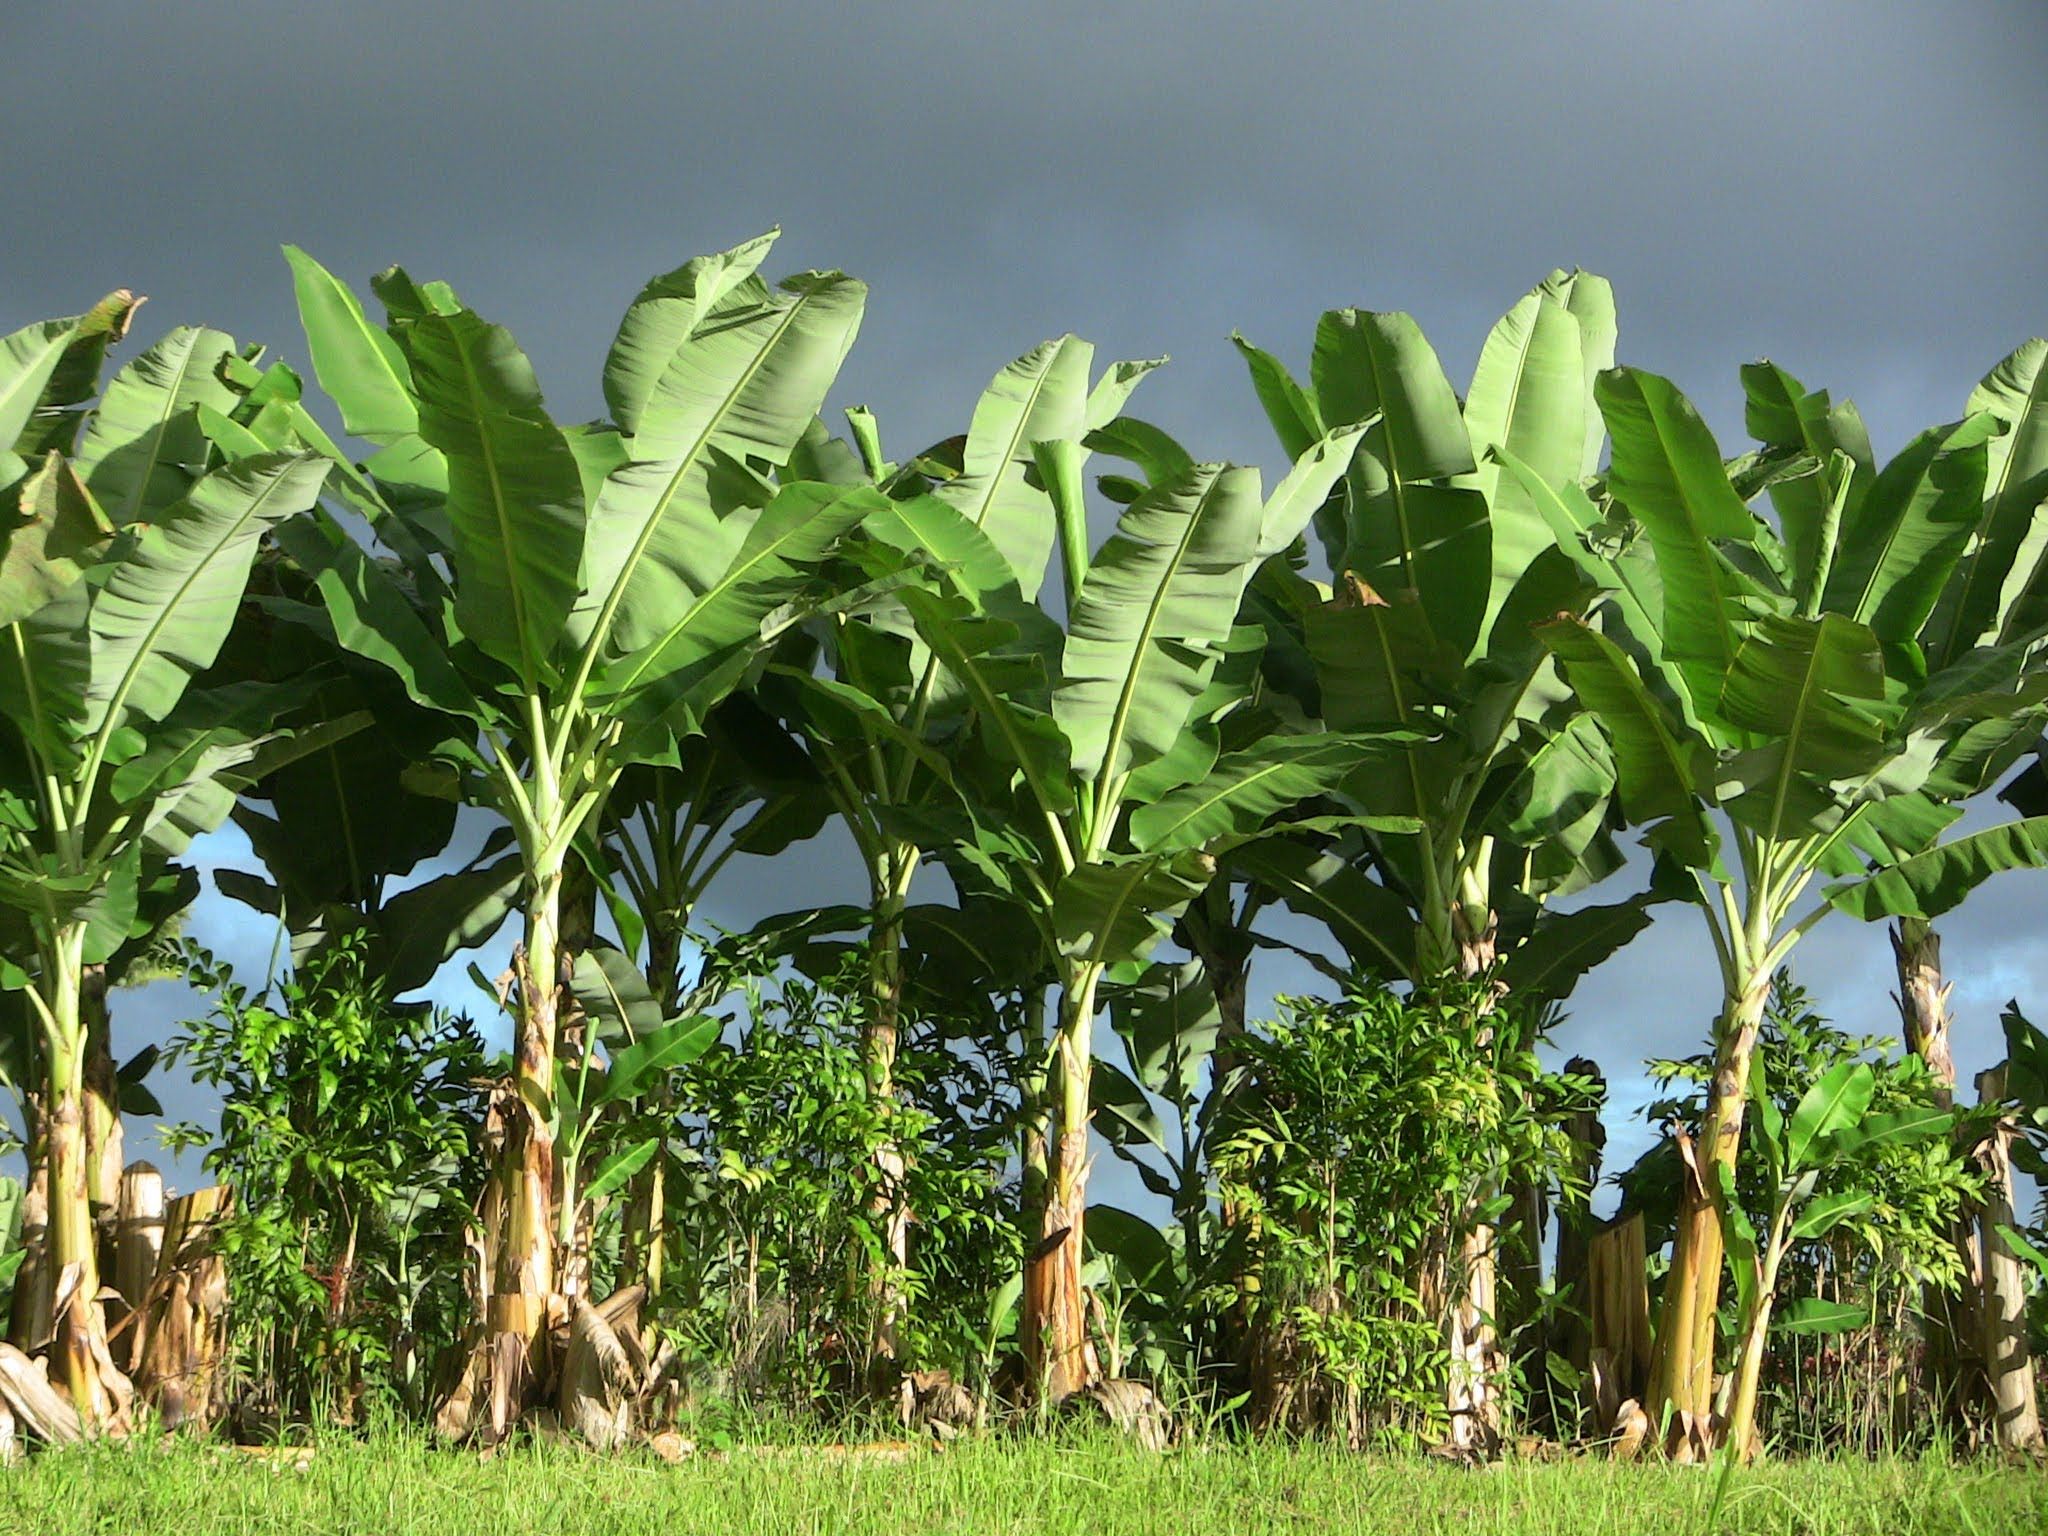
[{"x": 471, "y": 666}]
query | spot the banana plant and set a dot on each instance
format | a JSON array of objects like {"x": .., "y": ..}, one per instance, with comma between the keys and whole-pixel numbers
[
  {"x": 1826, "y": 1134},
  {"x": 1989, "y": 597},
  {"x": 1774, "y": 691},
  {"x": 1995, "y": 594},
  {"x": 1444, "y": 565},
  {"x": 972, "y": 519},
  {"x": 131, "y": 536},
  {"x": 577, "y": 597},
  {"x": 1091, "y": 793}
]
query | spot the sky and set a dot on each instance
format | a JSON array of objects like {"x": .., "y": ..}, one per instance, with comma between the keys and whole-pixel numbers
[{"x": 1858, "y": 192}]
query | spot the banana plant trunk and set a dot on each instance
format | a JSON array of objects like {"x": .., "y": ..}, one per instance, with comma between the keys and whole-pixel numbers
[
  {"x": 1950, "y": 1321},
  {"x": 646, "y": 1235},
  {"x": 1034, "y": 1120},
  {"x": 1058, "y": 1354},
  {"x": 80, "y": 1362},
  {"x": 517, "y": 1318},
  {"x": 103, "y": 1136},
  {"x": 1749, "y": 1369},
  {"x": 878, "y": 1052},
  {"x": 1682, "y": 1368},
  {"x": 1472, "y": 1396},
  {"x": 2002, "y": 1312}
]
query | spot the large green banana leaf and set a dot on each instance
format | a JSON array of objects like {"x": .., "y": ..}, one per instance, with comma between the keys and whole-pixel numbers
[
  {"x": 1161, "y": 598},
  {"x": 2005, "y": 585},
  {"x": 1935, "y": 881},
  {"x": 1041, "y": 397},
  {"x": 1902, "y": 541},
  {"x": 144, "y": 442},
  {"x": 1531, "y": 398},
  {"x": 703, "y": 384},
  {"x": 1667, "y": 471},
  {"x": 515, "y": 494},
  {"x": 362, "y": 369},
  {"x": 1407, "y": 527}
]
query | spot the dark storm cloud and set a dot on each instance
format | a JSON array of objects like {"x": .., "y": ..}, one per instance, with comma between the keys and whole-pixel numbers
[{"x": 1856, "y": 189}]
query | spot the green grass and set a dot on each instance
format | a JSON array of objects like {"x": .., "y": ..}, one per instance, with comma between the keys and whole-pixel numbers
[{"x": 394, "y": 1486}]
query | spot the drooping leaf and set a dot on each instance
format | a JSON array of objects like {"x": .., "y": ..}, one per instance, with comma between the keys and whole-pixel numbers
[
  {"x": 1919, "y": 1122},
  {"x": 425, "y": 925},
  {"x": 1814, "y": 1314},
  {"x": 674, "y": 1044},
  {"x": 1821, "y": 1216},
  {"x": 1930, "y": 883},
  {"x": 61, "y": 531},
  {"x": 1008, "y": 691},
  {"x": 1565, "y": 946},
  {"x": 614, "y": 994},
  {"x": 1372, "y": 923},
  {"x": 373, "y": 617},
  {"x": 1121, "y": 1111},
  {"x": 1246, "y": 788},
  {"x": 618, "y": 1170},
  {"x": 1139, "y": 1246},
  {"x": 1168, "y": 1019},
  {"x": 1630, "y": 581},
  {"x": 1653, "y": 754},
  {"x": 1108, "y": 913}
]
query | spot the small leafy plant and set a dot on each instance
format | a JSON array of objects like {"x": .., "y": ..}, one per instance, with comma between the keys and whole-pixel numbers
[
  {"x": 1828, "y": 1135},
  {"x": 1375, "y": 1126},
  {"x": 347, "y": 1130}
]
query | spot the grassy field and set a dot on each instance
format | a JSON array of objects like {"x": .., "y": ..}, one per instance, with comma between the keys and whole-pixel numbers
[{"x": 396, "y": 1487}]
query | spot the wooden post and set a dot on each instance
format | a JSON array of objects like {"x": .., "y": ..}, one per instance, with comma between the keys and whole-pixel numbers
[
  {"x": 138, "y": 1237},
  {"x": 179, "y": 1336},
  {"x": 2002, "y": 1311},
  {"x": 1951, "y": 1368},
  {"x": 1618, "y": 1297}
]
